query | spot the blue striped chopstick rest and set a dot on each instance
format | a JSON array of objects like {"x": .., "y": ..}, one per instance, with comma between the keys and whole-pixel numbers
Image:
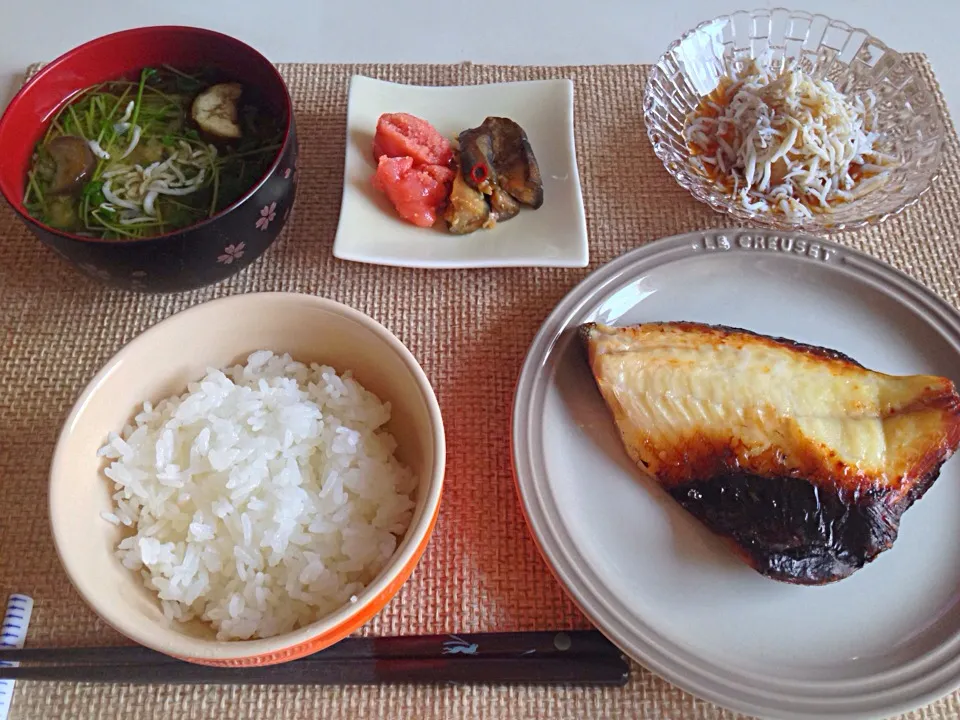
[{"x": 13, "y": 634}]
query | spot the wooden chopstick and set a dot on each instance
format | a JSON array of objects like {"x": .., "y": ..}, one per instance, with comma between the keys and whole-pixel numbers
[{"x": 575, "y": 657}]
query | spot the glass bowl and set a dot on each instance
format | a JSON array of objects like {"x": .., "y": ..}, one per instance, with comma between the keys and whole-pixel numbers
[{"x": 907, "y": 114}]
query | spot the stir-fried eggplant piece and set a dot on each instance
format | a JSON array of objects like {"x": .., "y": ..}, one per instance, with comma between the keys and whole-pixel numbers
[
  {"x": 476, "y": 160},
  {"x": 499, "y": 153},
  {"x": 496, "y": 173},
  {"x": 502, "y": 205},
  {"x": 517, "y": 170},
  {"x": 467, "y": 209}
]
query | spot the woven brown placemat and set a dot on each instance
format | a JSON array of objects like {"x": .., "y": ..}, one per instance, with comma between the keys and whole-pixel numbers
[{"x": 470, "y": 330}]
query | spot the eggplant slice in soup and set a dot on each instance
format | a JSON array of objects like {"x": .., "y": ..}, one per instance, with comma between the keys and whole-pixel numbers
[
  {"x": 215, "y": 110},
  {"x": 74, "y": 162}
]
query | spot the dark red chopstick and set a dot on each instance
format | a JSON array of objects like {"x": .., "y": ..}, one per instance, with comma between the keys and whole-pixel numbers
[
  {"x": 574, "y": 657},
  {"x": 505, "y": 671},
  {"x": 560, "y": 643}
]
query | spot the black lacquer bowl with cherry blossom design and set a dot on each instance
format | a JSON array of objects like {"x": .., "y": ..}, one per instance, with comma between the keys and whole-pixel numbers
[{"x": 196, "y": 256}]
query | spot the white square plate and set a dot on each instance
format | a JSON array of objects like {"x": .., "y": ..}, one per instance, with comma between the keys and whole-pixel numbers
[{"x": 555, "y": 235}]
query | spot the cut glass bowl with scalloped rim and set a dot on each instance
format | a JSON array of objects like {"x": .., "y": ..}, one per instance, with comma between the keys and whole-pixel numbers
[{"x": 907, "y": 113}]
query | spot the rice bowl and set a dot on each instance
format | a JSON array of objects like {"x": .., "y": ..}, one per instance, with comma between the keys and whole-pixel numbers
[{"x": 161, "y": 364}]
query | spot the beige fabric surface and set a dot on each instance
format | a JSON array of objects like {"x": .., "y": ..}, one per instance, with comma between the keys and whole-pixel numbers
[{"x": 470, "y": 330}]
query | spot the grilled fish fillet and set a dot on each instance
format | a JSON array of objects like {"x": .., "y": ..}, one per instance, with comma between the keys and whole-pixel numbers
[{"x": 798, "y": 456}]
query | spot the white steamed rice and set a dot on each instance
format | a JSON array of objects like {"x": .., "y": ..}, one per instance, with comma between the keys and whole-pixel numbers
[{"x": 264, "y": 497}]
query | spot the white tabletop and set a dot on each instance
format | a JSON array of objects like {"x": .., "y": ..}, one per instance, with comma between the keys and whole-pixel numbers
[{"x": 537, "y": 31}]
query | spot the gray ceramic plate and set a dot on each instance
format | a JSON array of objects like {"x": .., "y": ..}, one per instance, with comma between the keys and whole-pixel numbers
[{"x": 883, "y": 641}]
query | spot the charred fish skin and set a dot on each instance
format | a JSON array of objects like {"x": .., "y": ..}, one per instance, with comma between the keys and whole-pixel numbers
[
  {"x": 790, "y": 530},
  {"x": 805, "y": 496}
]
